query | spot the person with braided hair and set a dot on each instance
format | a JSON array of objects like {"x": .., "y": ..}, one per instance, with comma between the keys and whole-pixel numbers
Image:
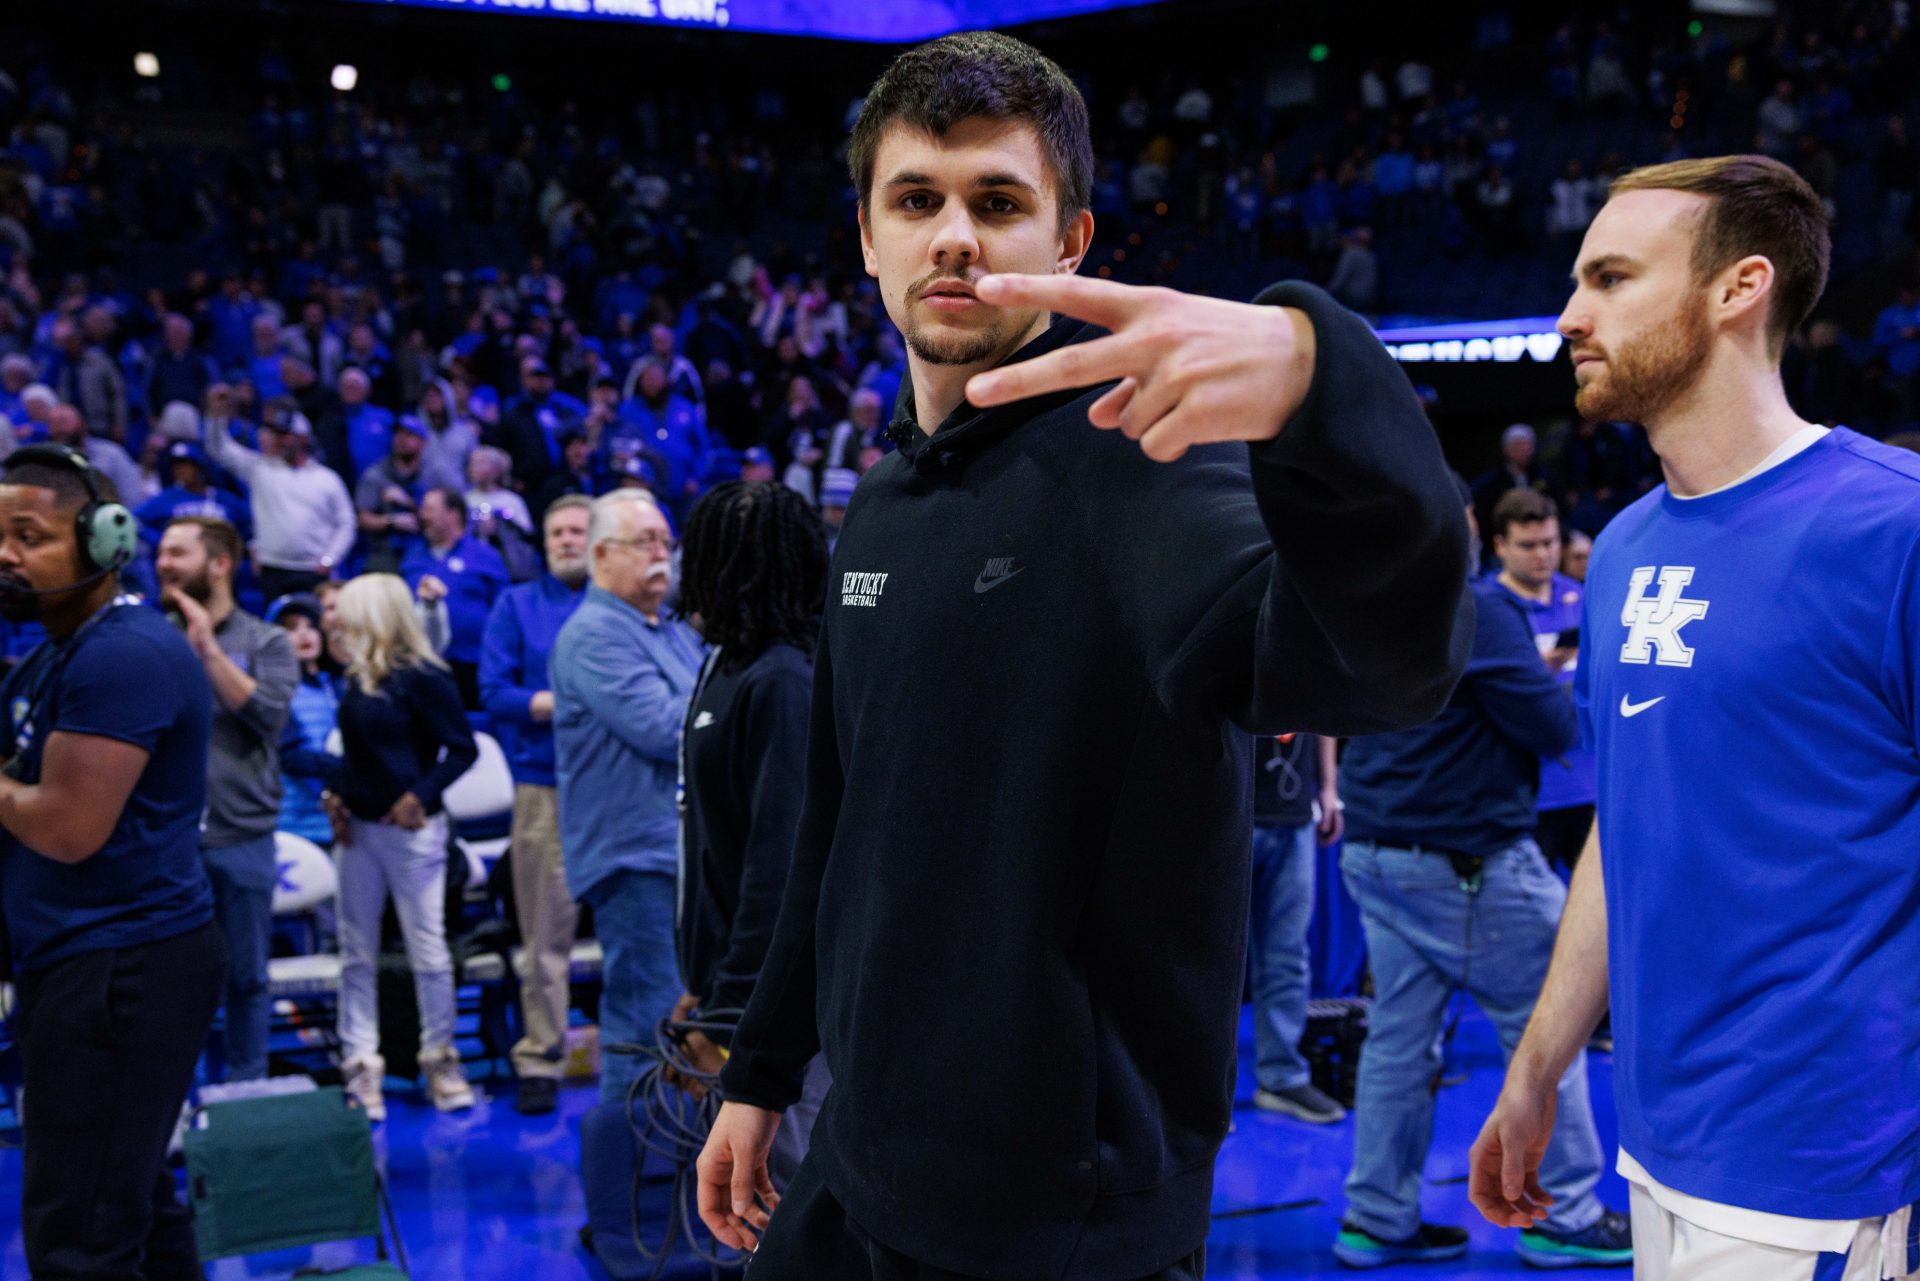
[{"x": 753, "y": 577}]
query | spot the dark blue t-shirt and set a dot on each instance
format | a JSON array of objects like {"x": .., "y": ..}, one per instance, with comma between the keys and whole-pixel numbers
[{"x": 129, "y": 676}]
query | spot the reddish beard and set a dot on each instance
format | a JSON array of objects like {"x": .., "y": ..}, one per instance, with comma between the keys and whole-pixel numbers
[{"x": 1647, "y": 373}]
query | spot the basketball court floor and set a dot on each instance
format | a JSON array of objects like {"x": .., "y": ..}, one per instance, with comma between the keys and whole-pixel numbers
[{"x": 494, "y": 1196}]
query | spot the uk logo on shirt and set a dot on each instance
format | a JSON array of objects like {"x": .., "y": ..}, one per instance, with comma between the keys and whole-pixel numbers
[{"x": 1654, "y": 617}]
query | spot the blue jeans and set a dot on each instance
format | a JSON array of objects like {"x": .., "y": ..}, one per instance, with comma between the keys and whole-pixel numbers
[
  {"x": 639, "y": 976},
  {"x": 1282, "y": 910},
  {"x": 243, "y": 876},
  {"x": 1416, "y": 918}
]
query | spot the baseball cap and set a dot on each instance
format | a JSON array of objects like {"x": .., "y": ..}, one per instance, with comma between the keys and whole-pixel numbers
[
  {"x": 187, "y": 451},
  {"x": 637, "y": 468},
  {"x": 411, "y": 424},
  {"x": 298, "y": 605},
  {"x": 757, "y": 457},
  {"x": 537, "y": 366}
]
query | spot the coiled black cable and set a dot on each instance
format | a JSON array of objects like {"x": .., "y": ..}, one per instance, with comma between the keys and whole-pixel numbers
[{"x": 671, "y": 1124}]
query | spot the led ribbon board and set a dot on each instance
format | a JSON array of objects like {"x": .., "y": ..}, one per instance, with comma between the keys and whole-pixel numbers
[
  {"x": 1505, "y": 342},
  {"x": 877, "y": 20}
]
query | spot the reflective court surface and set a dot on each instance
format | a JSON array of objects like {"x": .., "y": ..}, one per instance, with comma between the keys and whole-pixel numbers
[{"x": 494, "y": 1196}]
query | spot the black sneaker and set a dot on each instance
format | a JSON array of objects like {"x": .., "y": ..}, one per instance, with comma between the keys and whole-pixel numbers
[
  {"x": 537, "y": 1096},
  {"x": 1302, "y": 1102},
  {"x": 1607, "y": 1244},
  {"x": 1359, "y": 1248}
]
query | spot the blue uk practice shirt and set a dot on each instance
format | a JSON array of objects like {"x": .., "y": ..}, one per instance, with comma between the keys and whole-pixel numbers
[
  {"x": 127, "y": 675},
  {"x": 1750, "y": 679}
]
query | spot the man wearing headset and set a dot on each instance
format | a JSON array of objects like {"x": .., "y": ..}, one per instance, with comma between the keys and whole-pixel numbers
[{"x": 104, "y": 729}]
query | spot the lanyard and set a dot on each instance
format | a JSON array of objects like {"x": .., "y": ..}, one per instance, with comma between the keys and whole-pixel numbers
[{"x": 52, "y": 669}]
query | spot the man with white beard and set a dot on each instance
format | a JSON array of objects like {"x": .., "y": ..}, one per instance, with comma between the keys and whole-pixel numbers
[{"x": 623, "y": 670}]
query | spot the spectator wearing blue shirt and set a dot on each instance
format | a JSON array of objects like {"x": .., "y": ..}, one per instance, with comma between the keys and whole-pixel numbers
[
  {"x": 387, "y": 497},
  {"x": 530, "y": 425},
  {"x": 230, "y": 316},
  {"x": 263, "y": 362},
  {"x": 665, "y": 424},
  {"x": 1896, "y": 334},
  {"x": 1393, "y": 176},
  {"x": 449, "y": 564},
  {"x": 118, "y": 964},
  {"x": 1526, "y": 541},
  {"x": 178, "y": 372},
  {"x": 519, "y": 700},
  {"x": 363, "y": 433},
  {"x": 190, "y": 493},
  {"x": 623, "y": 671},
  {"x": 312, "y": 718}
]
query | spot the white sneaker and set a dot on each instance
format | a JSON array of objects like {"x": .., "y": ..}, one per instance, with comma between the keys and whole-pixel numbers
[
  {"x": 446, "y": 1080},
  {"x": 363, "y": 1078}
]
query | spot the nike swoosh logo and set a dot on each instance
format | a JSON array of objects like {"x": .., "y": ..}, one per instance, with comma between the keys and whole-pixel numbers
[
  {"x": 984, "y": 584},
  {"x": 1631, "y": 709}
]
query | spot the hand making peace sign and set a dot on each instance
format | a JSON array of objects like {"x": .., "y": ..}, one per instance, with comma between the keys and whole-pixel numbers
[{"x": 1192, "y": 370}]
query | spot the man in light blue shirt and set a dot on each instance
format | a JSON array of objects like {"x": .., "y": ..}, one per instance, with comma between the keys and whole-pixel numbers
[{"x": 622, "y": 674}]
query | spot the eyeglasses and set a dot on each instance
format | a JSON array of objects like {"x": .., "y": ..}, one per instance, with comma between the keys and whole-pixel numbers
[{"x": 647, "y": 542}]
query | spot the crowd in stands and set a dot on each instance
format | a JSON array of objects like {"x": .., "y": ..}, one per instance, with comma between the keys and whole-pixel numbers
[
  {"x": 597, "y": 334},
  {"x": 534, "y": 306}
]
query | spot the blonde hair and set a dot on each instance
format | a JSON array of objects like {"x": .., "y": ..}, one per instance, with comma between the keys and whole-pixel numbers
[{"x": 381, "y": 630}]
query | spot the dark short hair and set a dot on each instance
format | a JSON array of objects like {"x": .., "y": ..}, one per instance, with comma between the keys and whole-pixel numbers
[
  {"x": 975, "y": 74},
  {"x": 219, "y": 537},
  {"x": 1522, "y": 507},
  {"x": 68, "y": 490},
  {"x": 453, "y": 498}
]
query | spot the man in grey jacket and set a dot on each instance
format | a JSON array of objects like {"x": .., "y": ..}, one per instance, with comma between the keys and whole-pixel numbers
[{"x": 253, "y": 671}]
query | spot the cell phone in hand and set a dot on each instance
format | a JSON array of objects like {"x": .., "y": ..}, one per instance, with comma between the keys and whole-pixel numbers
[{"x": 1569, "y": 639}]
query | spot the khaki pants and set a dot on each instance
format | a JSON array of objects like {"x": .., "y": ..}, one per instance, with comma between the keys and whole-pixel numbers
[{"x": 547, "y": 918}]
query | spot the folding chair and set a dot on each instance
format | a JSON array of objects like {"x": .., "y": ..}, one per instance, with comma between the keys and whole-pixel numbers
[{"x": 279, "y": 1173}]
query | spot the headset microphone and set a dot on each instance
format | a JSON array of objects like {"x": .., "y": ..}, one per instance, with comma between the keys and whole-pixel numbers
[{"x": 8, "y": 587}]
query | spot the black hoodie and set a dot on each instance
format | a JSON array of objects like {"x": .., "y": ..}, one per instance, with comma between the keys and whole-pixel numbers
[{"x": 1017, "y": 912}]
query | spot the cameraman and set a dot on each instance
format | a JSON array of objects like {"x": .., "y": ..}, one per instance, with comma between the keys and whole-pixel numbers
[{"x": 105, "y": 727}]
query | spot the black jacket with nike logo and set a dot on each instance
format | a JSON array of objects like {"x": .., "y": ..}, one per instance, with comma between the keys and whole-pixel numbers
[{"x": 1017, "y": 913}]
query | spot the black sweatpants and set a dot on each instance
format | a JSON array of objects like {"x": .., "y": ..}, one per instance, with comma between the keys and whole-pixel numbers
[
  {"x": 109, "y": 1040},
  {"x": 813, "y": 1238}
]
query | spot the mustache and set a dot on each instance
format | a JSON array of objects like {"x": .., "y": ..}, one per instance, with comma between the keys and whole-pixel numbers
[
  {"x": 967, "y": 278},
  {"x": 662, "y": 570}
]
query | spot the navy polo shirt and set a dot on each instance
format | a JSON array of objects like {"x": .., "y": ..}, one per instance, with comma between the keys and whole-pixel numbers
[{"x": 130, "y": 676}]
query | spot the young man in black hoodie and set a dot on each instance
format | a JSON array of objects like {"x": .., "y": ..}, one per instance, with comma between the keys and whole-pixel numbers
[{"x": 1017, "y": 912}]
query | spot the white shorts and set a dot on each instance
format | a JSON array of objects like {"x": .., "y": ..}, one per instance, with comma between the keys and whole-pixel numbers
[{"x": 1669, "y": 1248}]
